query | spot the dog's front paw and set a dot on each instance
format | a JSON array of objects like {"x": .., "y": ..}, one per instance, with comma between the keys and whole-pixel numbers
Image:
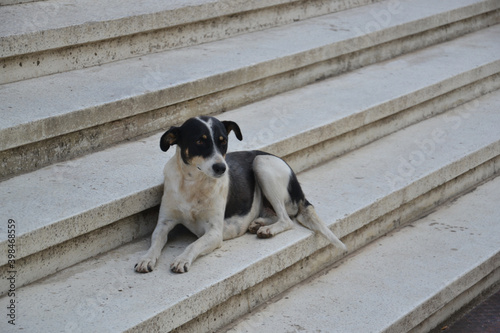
[
  {"x": 265, "y": 232},
  {"x": 145, "y": 265},
  {"x": 180, "y": 265}
]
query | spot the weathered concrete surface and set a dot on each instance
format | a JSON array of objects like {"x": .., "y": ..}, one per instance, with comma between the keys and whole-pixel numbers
[
  {"x": 400, "y": 280},
  {"x": 68, "y": 102},
  {"x": 73, "y": 210},
  {"x": 113, "y": 296},
  {"x": 87, "y": 33},
  {"x": 125, "y": 180}
]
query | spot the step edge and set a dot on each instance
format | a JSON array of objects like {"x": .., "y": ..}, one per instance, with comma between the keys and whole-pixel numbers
[
  {"x": 12, "y": 137},
  {"x": 133, "y": 23},
  {"x": 150, "y": 196},
  {"x": 446, "y": 295},
  {"x": 309, "y": 245},
  {"x": 129, "y": 234}
]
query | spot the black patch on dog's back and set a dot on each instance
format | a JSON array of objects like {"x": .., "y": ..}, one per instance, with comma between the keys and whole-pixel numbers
[
  {"x": 295, "y": 190},
  {"x": 242, "y": 182}
]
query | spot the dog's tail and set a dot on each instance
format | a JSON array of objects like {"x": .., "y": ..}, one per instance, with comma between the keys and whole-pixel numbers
[{"x": 308, "y": 218}]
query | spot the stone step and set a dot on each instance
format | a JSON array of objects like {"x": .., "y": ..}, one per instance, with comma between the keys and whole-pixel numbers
[
  {"x": 407, "y": 281},
  {"x": 361, "y": 195},
  {"x": 15, "y": 2},
  {"x": 114, "y": 192},
  {"x": 55, "y": 36},
  {"x": 75, "y": 113}
]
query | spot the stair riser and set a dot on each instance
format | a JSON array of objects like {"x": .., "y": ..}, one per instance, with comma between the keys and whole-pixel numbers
[
  {"x": 487, "y": 158},
  {"x": 250, "y": 299},
  {"x": 112, "y": 25},
  {"x": 59, "y": 60},
  {"x": 363, "y": 135},
  {"x": 486, "y": 271},
  {"x": 422, "y": 205},
  {"x": 468, "y": 295},
  {"x": 78, "y": 249},
  {"x": 15, "y": 2},
  {"x": 30, "y": 157},
  {"x": 83, "y": 223},
  {"x": 308, "y": 264},
  {"x": 157, "y": 95}
]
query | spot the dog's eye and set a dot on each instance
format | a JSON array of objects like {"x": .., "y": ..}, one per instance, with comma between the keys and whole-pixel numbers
[
  {"x": 201, "y": 141},
  {"x": 222, "y": 141}
]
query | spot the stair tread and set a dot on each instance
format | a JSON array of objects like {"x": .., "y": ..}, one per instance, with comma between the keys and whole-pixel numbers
[
  {"x": 67, "y": 102},
  {"x": 127, "y": 179},
  {"x": 464, "y": 138},
  {"x": 399, "y": 279},
  {"x": 27, "y": 28}
]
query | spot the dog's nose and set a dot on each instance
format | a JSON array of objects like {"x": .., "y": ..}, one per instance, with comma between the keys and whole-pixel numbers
[{"x": 219, "y": 168}]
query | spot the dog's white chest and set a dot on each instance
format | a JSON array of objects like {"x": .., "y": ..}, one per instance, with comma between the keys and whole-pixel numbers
[{"x": 193, "y": 201}]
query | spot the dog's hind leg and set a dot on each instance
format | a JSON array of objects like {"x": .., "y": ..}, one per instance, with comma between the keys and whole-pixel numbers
[
  {"x": 261, "y": 222},
  {"x": 282, "y": 189},
  {"x": 273, "y": 176}
]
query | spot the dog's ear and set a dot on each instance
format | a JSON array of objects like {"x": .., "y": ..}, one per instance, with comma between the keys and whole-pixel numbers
[
  {"x": 232, "y": 126},
  {"x": 169, "y": 138}
]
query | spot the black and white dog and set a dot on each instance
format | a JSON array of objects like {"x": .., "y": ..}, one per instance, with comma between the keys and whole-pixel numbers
[{"x": 218, "y": 196}]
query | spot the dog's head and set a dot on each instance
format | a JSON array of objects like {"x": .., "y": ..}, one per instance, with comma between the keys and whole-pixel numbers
[{"x": 202, "y": 142}]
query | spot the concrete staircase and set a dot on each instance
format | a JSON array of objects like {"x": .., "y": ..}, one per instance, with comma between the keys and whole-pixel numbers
[
  {"x": 426, "y": 269},
  {"x": 387, "y": 109}
]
